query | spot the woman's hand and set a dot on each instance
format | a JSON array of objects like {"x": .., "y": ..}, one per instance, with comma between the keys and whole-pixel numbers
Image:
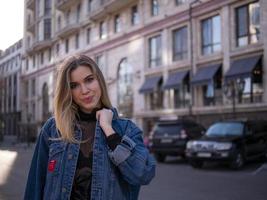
[{"x": 104, "y": 117}]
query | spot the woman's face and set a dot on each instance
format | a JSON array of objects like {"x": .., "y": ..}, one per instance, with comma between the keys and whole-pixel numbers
[{"x": 85, "y": 89}]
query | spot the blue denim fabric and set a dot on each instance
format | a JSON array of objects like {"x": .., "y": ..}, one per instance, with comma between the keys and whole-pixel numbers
[{"x": 117, "y": 175}]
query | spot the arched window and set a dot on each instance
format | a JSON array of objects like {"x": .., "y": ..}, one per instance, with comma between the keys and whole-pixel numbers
[{"x": 125, "y": 89}]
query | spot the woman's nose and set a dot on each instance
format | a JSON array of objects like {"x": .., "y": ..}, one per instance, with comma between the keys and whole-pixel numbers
[{"x": 84, "y": 88}]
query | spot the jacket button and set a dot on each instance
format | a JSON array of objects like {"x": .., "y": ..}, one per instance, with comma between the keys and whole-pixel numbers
[
  {"x": 70, "y": 156},
  {"x": 64, "y": 190}
]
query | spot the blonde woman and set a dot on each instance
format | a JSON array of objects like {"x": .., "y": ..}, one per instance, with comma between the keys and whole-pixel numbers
[{"x": 86, "y": 151}]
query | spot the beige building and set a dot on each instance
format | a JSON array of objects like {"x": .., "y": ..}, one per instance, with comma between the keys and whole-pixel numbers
[
  {"x": 10, "y": 108},
  {"x": 161, "y": 58}
]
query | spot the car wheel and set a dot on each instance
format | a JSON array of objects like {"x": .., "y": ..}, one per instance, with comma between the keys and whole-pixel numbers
[
  {"x": 238, "y": 161},
  {"x": 196, "y": 163},
  {"x": 160, "y": 157}
]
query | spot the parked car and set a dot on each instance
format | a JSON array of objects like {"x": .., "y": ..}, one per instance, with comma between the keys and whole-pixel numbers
[
  {"x": 232, "y": 142},
  {"x": 170, "y": 137}
]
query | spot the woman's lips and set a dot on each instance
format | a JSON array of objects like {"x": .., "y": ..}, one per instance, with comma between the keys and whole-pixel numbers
[{"x": 88, "y": 99}]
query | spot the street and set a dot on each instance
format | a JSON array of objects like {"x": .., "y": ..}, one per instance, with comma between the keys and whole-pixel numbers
[{"x": 174, "y": 179}]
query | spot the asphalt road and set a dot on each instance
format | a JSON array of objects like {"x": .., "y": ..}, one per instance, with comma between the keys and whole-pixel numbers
[{"x": 175, "y": 179}]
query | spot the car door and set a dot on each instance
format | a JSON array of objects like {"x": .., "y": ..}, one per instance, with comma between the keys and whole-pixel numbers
[{"x": 252, "y": 139}]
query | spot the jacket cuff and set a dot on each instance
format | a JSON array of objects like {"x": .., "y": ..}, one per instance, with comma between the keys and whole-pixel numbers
[
  {"x": 113, "y": 141},
  {"x": 122, "y": 151}
]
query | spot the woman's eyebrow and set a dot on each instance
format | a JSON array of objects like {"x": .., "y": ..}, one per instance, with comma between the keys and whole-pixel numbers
[{"x": 89, "y": 76}]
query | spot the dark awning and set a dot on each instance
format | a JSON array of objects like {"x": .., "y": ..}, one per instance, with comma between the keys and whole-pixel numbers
[
  {"x": 205, "y": 75},
  {"x": 150, "y": 84},
  {"x": 242, "y": 68},
  {"x": 175, "y": 79}
]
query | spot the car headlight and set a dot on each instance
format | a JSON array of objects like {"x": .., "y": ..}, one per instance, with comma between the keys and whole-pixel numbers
[
  {"x": 223, "y": 146},
  {"x": 190, "y": 144}
]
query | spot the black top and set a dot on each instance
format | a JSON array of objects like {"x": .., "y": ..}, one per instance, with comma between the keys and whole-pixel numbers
[{"x": 81, "y": 188}]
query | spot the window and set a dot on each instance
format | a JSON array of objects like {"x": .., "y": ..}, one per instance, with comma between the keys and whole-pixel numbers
[
  {"x": 155, "y": 51},
  {"x": 100, "y": 63},
  {"x": 33, "y": 87},
  {"x": 125, "y": 90},
  {"x": 78, "y": 13},
  {"x": 180, "y": 2},
  {"x": 154, "y": 7},
  {"x": 33, "y": 61},
  {"x": 211, "y": 35},
  {"x": 67, "y": 17},
  {"x": 77, "y": 41},
  {"x": 88, "y": 35},
  {"x": 58, "y": 23},
  {"x": 49, "y": 54},
  {"x": 89, "y": 5},
  {"x": 117, "y": 23},
  {"x": 156, "y": 99},
  {"x": 248, "y": 24},
  {"x": 180, "y": 44},
  {"x": 47, "y": 7},
  {"x": 27, "y": 64},
  {"x": 57, "y": 48},
  {"x": 102, "y": 30},
  {"x": 135, "y": 15},
  {"x": 42, "y": 58},
  {"x": 66, "y": 45},
  {"x": 47, "y": 29}
]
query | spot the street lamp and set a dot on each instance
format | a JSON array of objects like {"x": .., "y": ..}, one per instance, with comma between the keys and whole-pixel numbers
[{"x": 233, "y": 89}]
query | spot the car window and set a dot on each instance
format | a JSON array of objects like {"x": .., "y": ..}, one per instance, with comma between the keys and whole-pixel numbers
[
  {"x": 171, "y": 129},
  {"x": 225, "y": 129}
]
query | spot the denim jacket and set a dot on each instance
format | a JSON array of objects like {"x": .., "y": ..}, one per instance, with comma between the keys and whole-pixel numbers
[{"x": 117, "y": 175}]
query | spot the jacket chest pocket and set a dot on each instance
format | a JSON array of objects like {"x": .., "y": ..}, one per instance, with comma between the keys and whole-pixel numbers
[
  {"x": 54, "y": 167},
  {"x": 56, "y": 151}
]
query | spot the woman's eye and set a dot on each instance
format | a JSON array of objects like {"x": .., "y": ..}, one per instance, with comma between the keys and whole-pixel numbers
[
  {"x": 89, "y": 80},
  {"x": 73, "y": 86}
]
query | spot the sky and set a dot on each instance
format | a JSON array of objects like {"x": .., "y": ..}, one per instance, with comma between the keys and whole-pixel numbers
[{"x": 11, "y": 22}]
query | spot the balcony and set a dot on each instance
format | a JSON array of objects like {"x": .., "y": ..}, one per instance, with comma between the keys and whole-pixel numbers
[
  {"x": 68, "y": 30},
  {"x": 107, "y": 7},
  {"x": 39, "y": 45},
  {"x": 64, "y": 5},
  {"x": 30, "y": 4}
]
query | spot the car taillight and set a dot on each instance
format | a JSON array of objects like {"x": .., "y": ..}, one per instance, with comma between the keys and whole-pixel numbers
[{"x": 183, "y": 134}]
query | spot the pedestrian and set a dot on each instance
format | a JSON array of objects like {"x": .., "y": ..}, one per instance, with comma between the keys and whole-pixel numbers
[{"x": 86, "y": 151}]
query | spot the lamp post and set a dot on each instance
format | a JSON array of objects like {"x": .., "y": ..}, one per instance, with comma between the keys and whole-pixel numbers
[
  {"x": 233, "y": 89},
  {"x": 191, "y": 52}
]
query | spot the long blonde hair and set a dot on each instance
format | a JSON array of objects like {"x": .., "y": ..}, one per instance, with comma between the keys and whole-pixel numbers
[{"x": 64, "y": 106}]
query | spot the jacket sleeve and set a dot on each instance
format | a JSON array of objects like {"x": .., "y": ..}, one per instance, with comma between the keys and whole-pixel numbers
[
  {"x": 132, "y": 158},
  {"x": 37, "y": 174}
]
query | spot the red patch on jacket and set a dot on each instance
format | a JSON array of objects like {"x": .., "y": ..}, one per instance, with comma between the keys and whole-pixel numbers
[{"x": 52, "y": 165}]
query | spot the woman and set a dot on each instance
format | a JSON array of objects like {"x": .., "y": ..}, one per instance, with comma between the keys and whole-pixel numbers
[{"x": 86, "y": 151}]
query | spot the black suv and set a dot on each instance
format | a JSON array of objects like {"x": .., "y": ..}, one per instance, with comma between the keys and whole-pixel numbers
[
  {"x": 232, "y": 142},
  {"x": 170, "y": 137}
]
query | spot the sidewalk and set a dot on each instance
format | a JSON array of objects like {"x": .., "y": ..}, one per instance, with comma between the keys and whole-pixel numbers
[{"x": 15, "y": 161}]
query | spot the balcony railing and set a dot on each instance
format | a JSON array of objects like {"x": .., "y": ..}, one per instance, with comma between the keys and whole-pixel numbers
[
  {"x": 39, "y": 45},
  {"x": 108, "y": 6},
  {"x": 70, "y": 28},
  {"x": 64, "y": 5}
]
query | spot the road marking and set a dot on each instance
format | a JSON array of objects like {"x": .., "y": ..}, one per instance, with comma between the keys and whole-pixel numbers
[{"x": 262, "y": 167}]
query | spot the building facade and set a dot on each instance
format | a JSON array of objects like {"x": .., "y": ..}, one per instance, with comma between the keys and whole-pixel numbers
[
  {"x": 203, "y": 59},
  {"x": 10, "y": 108}
]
